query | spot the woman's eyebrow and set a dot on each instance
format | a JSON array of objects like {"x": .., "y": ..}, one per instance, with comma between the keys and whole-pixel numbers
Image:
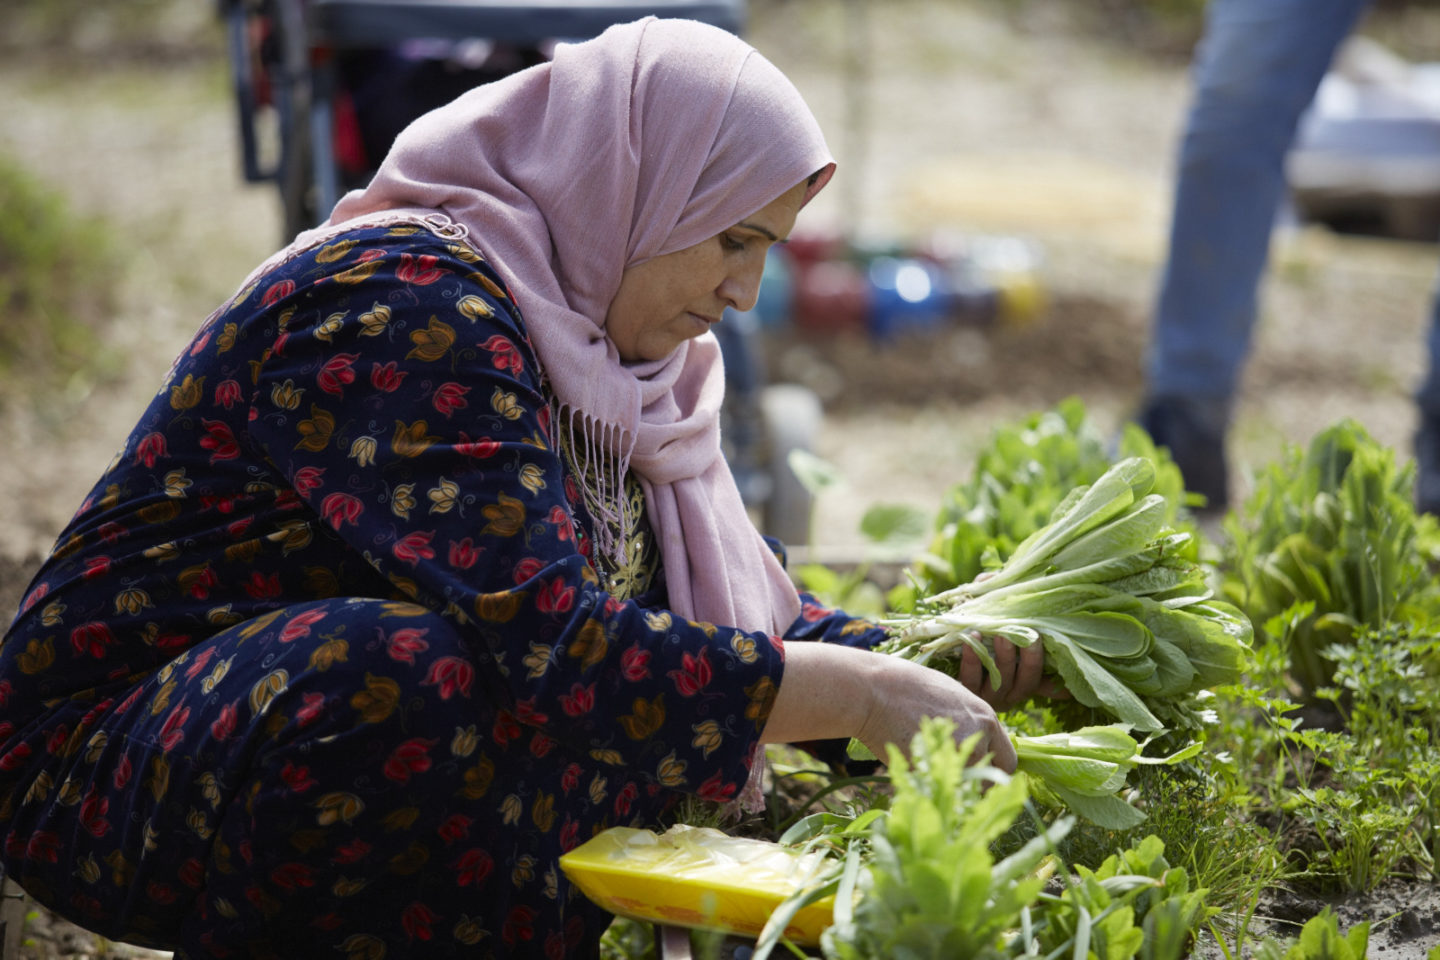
[{"x": 759, "y": 229}]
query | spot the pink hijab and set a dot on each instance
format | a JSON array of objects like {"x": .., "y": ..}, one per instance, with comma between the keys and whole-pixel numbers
[{"x": 648, "y": 139}]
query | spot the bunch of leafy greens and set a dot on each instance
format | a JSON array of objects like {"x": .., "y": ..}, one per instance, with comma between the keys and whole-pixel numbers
[
  {"x": 1086, "y": 769},
  {"x": 1019, "y": 478},
  {"x": 1332, "y": 526},
  {"x": 924, "y": 882},
  {"x": 1125, "y": 614}
]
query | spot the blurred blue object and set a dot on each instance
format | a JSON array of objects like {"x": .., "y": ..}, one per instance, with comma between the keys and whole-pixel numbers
[{"x": 908, "y": 294}]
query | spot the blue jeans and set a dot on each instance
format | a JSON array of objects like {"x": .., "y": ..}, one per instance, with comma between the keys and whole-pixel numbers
[{"x": 1255, "y": 72}]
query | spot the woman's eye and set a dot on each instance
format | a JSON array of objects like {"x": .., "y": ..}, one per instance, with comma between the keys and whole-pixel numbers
[{"x": 730, "y": 243}]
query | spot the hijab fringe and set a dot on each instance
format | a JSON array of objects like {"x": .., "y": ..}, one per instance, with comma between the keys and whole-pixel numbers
[{"x": 599, "y": 454}]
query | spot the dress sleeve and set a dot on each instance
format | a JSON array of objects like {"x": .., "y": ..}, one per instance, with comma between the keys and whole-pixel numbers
[
  {"x": 824, "y": 624},
  {"x": 402, "y": 401}
]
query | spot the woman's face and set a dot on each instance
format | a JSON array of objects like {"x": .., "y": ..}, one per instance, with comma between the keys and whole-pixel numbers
[{"x": 667, "y": 300}]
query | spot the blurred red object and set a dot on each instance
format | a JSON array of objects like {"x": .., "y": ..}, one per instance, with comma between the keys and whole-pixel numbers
[{"x": 830, "y": 296}]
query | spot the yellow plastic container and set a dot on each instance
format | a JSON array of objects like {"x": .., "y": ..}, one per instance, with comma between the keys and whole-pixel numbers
[{"x": 698, "y": 877}]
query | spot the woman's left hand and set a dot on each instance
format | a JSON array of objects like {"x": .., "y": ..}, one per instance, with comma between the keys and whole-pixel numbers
[{"x": 1022, "y": 675}]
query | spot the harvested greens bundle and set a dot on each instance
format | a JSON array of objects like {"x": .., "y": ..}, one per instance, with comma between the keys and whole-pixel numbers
[
  {"x": 1085, "y": 770},
  {"x": 1127, "y": 620},
  {"x": 1021, "y": 474}
]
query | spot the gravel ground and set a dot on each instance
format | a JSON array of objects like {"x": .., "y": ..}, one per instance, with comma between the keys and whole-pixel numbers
[{"x": 968, "y": 120}]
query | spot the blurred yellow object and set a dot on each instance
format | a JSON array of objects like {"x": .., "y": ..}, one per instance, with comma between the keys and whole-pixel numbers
[{"x": 698, "y": 877}]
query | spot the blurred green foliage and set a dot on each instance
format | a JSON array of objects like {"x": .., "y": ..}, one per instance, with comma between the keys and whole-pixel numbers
[{"x": 56, "y": 283}]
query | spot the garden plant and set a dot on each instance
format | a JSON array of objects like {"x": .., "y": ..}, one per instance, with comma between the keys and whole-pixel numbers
[{"x": 1251, "y": 715}]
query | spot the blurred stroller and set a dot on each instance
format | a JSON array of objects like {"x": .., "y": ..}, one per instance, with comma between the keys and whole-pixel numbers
[{"x": 322, "y": 87}]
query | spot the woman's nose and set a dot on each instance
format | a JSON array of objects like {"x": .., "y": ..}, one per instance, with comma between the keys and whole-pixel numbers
[{"x": 741, "y": 287}]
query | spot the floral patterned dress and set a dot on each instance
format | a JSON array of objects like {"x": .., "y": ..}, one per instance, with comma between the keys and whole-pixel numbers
[{"x": 325, "y": 666}]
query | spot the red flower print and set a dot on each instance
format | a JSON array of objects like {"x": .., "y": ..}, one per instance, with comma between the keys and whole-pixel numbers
[
  {"x": 292, "y": 876},
  {"x": 158, "y": 892},
  {"x": 341, "y": 508},
  {"x": 555, "y": 597},
  {"x": 352, "y": 852},
  {"x": 220, "y": 440},
  {"x": 525, "y": 712},
  {"x": 192, "y": 873},
  {"x": 450, "y": 674},
  {"x": 198, "y": 347},
  {"x": 91, "y": 638},
  {"x": 307, "y": 479},
  {"x": 16, "y": 756},
  {"x": 480, "y": 449},
  {"x": 403, "y": 644},
  {"x": 96, "y": 567},
  {"x": 237, "y": 529},
  {"x": 414, "y": 546},
  {"x": 410, "y": 757},
  {"x": 288, "y": 500},
  {"x": 570, "y": 779},
  {"x": 527, "y": 568},
  {"x": 625, "y": 798},
  {"x": 43, "y": 846},
  {"x": 299, "y": 625},
  {"x": 416, "y": 919},
  {"x": 92, "y": 814},
  {"x": 420, "y": 270},
  {"x": 579, "y": 701},
  {"x": 172, "y": 732},
  {"x": 261, "y": 587},
  {"x": 693, "y": 675},
  {"x": 5, "y": 690},
  {"x": 635, "y": 664},
  {"x": 35, "y": 596},
  {"x": 205, "y": 578},
  {"x": 449, "y": 397},
  {"x": 172, "y": 642},
  {"x": 464, "y": 554},
  {"x": 813, "y": 612},
  {"x": 224, "y": 725},
  {"x": 387, "y": 378},
  {"x": 569, "y": 835},
  {"x": 297, "y": 778},
  {"x": 337, "y": 372},
  {"x": 56, "y": 741},
  {"x": 560, "y": 519},
  {"x": 505, "y": 730},
  {"x": 504, "y": 354},
  {"x": 111, "y": 532},
  {"x": 519, "y": 925},
  {"x": 455, "y": 827},
  {"x": 227, "y": 394},
  {"x": 129, "y": 702},
  {"x": 123, "y": 771},
  {"x": 540, "y": 744},
  {"x": 472, "y": 867},
  {"x": 716, "y": 790},
  {"x": 277, "y": 291},
  {"x": 312, "y": 707},
  {"x": 150, "y": 449}
]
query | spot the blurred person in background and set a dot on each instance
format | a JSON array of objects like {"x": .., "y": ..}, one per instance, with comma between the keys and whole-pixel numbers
[{"x": 1256, "y": 70}]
